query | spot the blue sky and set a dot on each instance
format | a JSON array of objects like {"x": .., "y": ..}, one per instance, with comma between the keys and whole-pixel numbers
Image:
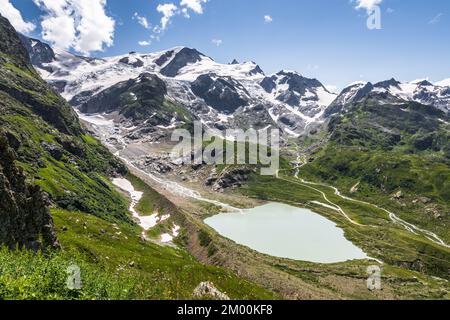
[{"x": 325, "y": 39}]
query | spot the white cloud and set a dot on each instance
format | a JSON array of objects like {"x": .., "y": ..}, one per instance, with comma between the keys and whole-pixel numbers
[
  {"x": 15, "y": 17},
  {"x": 436, "y": 19},
  {"x": 59, "y": 30},
  {"x": 145, "y": 43},
  {"x": 141, "y": 20},
  {"x": 95, "y": 28},
  {"x": 268, "y": 19},
  {"x": 217, "y": 42},
  {"x": 367, "y": 4},
  {"x": 79, "y": 24},
  {"x": 390, "y": 10},
  {"x": 194, "y": 5},
  {"x": 168, "y": 10}
]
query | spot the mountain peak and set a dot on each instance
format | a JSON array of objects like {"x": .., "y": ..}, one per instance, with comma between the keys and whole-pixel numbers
[
  {"x": 285, "y": 72},
  {"x": 424, "y": 83},
  {"x": 179, "y": 58},
  {"x": 387, "y": 83},
  {"x": 356, "y": 84}
]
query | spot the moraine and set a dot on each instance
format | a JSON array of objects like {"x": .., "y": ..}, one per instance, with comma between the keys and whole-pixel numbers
[{"x": 287, "y": 232}]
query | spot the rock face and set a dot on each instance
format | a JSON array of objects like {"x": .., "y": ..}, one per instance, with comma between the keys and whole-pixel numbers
[
  {"x": 10, "y": 44},
  {"x": 164, "y": 58},
  {"x": 222, "y": 93},
  {"x": 22, "y": 86},
  {"x": 25, "y": 220},
  {"x": 208, "y": 290},
  {"x": 135, "y": 98}
]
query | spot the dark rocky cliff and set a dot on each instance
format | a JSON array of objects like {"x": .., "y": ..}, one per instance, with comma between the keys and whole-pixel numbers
[{"x": 25, "y": 220}]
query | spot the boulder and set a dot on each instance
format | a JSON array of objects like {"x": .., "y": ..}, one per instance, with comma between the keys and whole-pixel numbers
[{"x": 208, "y": 290}]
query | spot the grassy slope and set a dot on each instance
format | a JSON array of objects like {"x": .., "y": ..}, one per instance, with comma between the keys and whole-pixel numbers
[
  {"x": 380, "y": 174},
  {"x": 390, "y": 148},
  {"x": 115, "y": 264}
]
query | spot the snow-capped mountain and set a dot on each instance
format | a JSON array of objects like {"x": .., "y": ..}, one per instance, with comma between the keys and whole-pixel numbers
[
  {"x": 393, "y": 91},
  {"x": 235, "y": 95},
  {"x": 220, "y": 95}
]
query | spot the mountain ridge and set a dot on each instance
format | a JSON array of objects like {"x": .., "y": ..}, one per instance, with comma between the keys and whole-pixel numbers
[{"x": 225, "y": 96}]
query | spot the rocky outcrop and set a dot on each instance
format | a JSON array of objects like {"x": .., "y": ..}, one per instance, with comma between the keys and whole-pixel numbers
[
  {"x": 269, "y": 83},
  {"x": 25, "y": 220},
  {"x": 11, "y": 45},
  {"x": 256, "y": 70},
  {"x": 231, "y": 178},
  {"x": 208, "y": 290},
  {"x": 20, "y": 81},
  {"x": 164, "y": 58}
]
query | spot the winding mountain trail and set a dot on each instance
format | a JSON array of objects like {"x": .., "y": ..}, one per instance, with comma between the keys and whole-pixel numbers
[
  {"x": 394, "y": 218},
  {"x": 334, "y": 205},
  {"x": 301, "y": 161}
]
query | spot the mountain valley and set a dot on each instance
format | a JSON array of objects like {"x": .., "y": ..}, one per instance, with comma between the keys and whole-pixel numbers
[{"x": 374, "y": 160}]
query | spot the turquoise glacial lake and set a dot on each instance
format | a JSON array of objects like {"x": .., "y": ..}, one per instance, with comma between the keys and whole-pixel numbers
[{"x": 289, "y": 232}]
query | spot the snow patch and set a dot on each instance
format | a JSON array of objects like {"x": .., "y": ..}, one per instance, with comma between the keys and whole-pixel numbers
[
  {"x": 166, "y": 237},
  {"x": 145, "y": 222}
]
